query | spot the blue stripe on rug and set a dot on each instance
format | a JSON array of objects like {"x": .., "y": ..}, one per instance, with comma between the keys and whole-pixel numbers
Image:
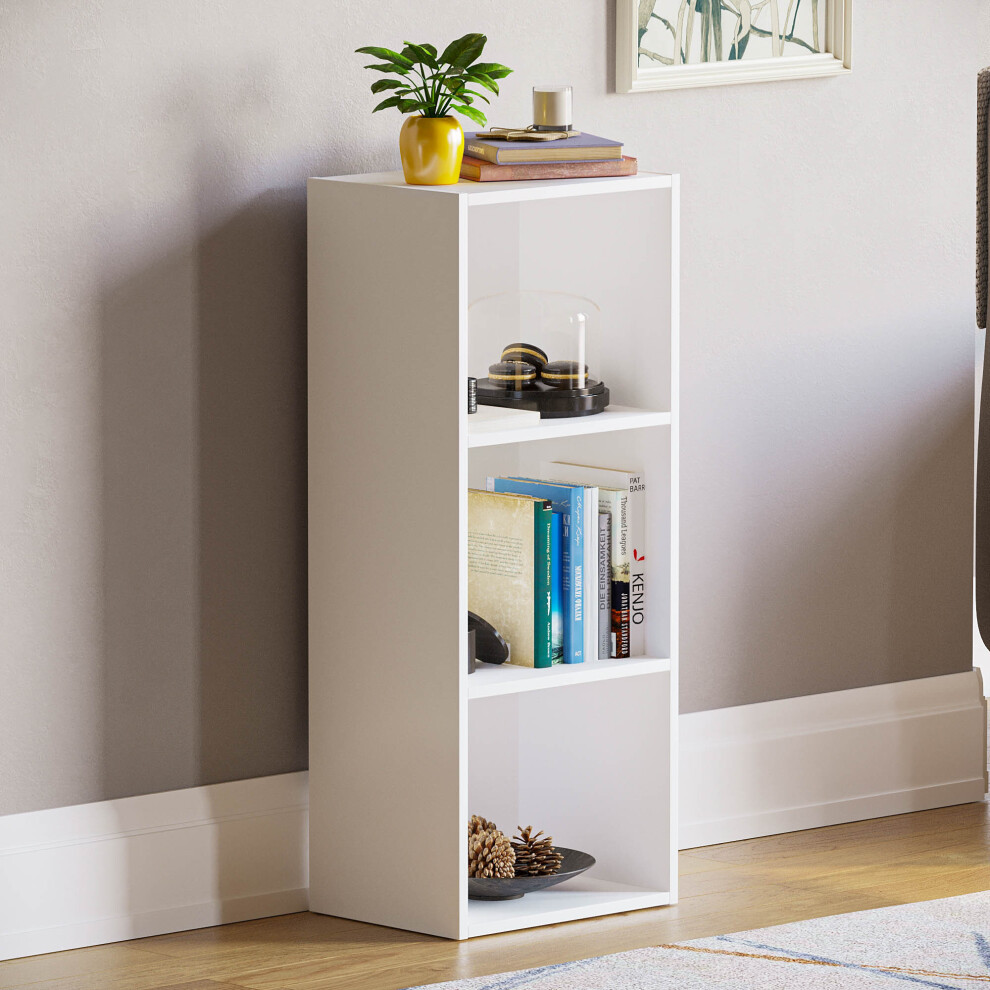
[
  {"x": 983, "y": 948},
  {"x": 835, "y": 962},
  {"x": 510, "y": 981},
  {"x": 514, "y": 980}
]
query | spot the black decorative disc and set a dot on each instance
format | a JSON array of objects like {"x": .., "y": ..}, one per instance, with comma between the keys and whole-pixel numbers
[{"x": 489, "y": 645}]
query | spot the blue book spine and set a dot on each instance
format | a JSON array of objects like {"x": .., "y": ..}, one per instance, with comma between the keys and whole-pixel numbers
[
  {"x": 556, "y": 591},
  {"x": 568, "y": 503},
  {"x": 572, "y": 532}
]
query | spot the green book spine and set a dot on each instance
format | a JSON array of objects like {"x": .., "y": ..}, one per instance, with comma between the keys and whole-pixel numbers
[{"x": 542, "y": 563}]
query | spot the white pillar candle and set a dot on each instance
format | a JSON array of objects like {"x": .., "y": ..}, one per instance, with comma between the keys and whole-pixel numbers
[{"x": 552, "y": 109}]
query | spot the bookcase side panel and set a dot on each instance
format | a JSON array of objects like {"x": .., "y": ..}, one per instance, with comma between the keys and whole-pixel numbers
[
  {"x": 385, "y": 603},
  {"x": 675, "y": 522}
]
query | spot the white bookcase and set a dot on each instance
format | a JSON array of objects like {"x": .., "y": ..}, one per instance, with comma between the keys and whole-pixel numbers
[{"x": 404, "y": 744}]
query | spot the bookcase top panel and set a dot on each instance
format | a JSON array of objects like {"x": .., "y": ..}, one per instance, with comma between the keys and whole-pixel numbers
[{"x": 483, "y": 193}]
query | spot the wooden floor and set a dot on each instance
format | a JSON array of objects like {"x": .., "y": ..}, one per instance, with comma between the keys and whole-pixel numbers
[{"x": 723, "y": 888}]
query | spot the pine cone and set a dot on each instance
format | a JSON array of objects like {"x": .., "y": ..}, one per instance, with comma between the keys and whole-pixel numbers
[
  {"x": 479, "y": 824},
  {"x": 490, "y": 855},
  {"x": 535, "y": 857}
]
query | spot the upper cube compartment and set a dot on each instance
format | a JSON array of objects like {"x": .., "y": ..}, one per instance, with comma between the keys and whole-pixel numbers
[{"x": 586, "y": 280}]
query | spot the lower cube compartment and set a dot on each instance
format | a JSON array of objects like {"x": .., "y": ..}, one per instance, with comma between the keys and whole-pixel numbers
[{"x": 588, "y": 764}]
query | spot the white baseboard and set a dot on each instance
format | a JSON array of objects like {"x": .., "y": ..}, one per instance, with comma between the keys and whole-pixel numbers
[
  {"x": 780, "y": 766},
  {"x": 186, "y": 859},
  {"x": 153, "y": 864}
]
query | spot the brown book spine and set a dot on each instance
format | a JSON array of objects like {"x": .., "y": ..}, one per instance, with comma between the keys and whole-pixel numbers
[{"x": 481, "y": 171}]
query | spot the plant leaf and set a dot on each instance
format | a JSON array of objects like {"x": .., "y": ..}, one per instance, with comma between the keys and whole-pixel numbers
[
  {"x": 461, "y": 92},
  {"x": 492, "y": 69},
  {"x": 407, "y": 106},
  {"x": 459, "y": 88},
  {"x": 476, "y": 115},
  {"x": 464, "y": 50},
  {"x": 482, "y": 80},
  {"x": 420, "y": 53},
  {"x": 392, "y": 101},
  {"x": 380, "y": 85},
  {"x": 389, "y": 67},
  {"x": 387, "y": 54}
]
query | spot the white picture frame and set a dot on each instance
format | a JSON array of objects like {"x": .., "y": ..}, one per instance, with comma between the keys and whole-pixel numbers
[{"x": 633, "y": 76}]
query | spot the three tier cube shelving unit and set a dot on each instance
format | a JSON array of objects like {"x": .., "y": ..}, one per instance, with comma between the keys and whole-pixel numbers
[{"x": 404, "y": 744}]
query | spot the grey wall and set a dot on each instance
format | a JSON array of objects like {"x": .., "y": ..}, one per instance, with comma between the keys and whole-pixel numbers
[{"x": 152, "y": 413}]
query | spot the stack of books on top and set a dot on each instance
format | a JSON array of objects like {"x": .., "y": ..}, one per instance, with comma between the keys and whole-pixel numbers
[
  {"x": 557, "y": 567},
  {"x": 584, "y": 156}
]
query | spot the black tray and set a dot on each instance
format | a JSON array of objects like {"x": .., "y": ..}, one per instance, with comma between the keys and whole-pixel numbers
[{"x": 549, "y": 402}]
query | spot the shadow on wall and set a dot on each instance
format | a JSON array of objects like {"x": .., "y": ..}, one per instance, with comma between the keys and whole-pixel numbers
[
  {"x": 252, "y": 489},
  {"x": 204, "y": 500},
  {"x": 884, "y": 553}
]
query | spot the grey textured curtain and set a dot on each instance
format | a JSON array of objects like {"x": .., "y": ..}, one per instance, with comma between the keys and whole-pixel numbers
[{"x": 983, "y": 443}]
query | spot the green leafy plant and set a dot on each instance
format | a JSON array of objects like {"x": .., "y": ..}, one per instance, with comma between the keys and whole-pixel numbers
[{"x": 433, "y": 85}]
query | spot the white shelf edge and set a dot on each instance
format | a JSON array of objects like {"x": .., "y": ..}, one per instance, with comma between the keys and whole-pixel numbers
[
  {"x": 520, "y": 192},
  {"x": 492, "y": 193},
  {"x": 491, "y": 681},
  {"x": 581, "y": 898},
  {"x": 613, "y": 418}
]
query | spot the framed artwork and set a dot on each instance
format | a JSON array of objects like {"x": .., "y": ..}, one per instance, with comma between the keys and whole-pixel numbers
[{"x": 672, "y": 44}]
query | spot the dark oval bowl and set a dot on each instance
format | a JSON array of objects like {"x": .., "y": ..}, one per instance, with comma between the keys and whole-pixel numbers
[{"x": 506, "y": 889}]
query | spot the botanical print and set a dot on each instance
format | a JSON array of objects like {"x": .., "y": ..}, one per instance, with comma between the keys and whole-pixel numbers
[{"x": 688, "y": 32}]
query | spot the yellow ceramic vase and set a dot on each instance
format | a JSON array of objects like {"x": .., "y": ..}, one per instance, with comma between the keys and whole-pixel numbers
[{"x": 431, "y": 150}]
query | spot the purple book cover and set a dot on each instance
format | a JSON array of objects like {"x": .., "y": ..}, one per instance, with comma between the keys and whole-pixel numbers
[{"x": 492, "y": 149}]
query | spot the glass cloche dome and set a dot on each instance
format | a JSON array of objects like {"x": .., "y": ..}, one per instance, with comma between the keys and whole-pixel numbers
[{"x": 534, "y": 349}]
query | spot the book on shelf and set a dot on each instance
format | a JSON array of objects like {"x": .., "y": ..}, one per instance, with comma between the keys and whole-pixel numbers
[
  {"x": 556, "y": 590},
  {"x": 510, "y": 571},
  {"x": 582, "y": 148},
  {"x": 616, "y": 503},
  {"x": 629, "y": 574},
  {"x": 604, "y": 584},
  {"x": 567, "y": 502},
  {"x": 590, "y": 570},
  {"x": 590, "y": 583},
  {"x": 478, "y": 170}
]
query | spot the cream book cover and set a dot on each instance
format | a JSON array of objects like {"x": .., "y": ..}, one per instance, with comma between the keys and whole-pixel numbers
[{"x": 501, "y": 568}]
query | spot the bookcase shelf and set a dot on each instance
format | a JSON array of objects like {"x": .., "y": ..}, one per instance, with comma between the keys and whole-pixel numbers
[
  {"x": 399, "y": 731},
  {"x": 614, "y": 418},
  {"x": 489, "y": 680},
  {"x": 580, "y": 898}
]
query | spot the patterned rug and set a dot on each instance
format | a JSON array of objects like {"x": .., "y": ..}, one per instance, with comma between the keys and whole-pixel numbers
[{"x": 943, "y": 943}]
